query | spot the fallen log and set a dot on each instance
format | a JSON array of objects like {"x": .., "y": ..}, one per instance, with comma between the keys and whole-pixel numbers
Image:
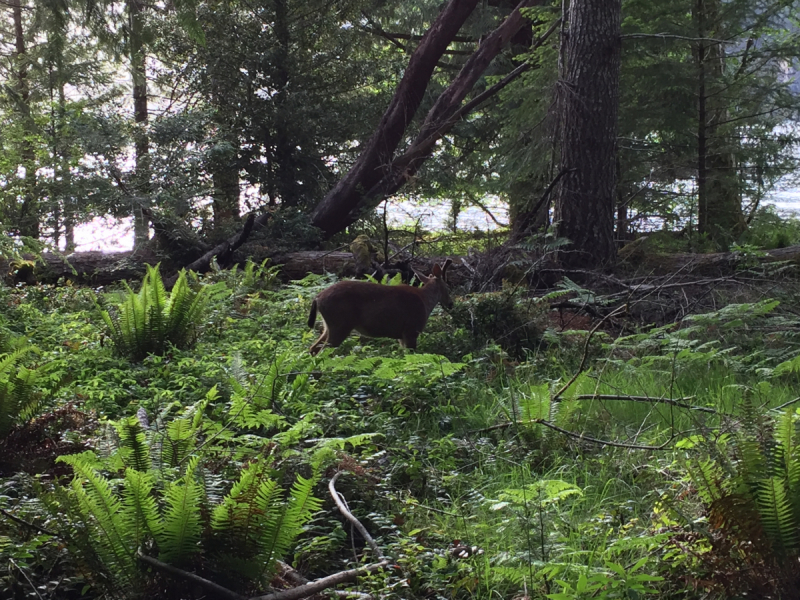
[{"x": 98, "y": 268}]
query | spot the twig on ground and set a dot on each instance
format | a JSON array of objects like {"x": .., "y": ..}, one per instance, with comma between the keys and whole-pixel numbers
[
  {"x": 26, "y": 524},
  {"x": 314, "y": 587},
  {"x": 647, "y": 399},
  {"x": 586, "y": 350},
  {"x": 218, "y": 590},
  {"x": 785, "y": 404},
  {"x": 25, "y": 575},
  {"x": 337, "y": 498},
  {"x": 573, "y": 434}
]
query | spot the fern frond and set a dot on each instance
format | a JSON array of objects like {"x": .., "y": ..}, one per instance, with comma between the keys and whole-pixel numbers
[
  {"x": 102, "y": 511},
  {"x": 178, "y": 538},
  {"x": 133, "y": 445},
  {"x": 140, "y": 511},
  {"x": 776, "y": 515},
  {"x": 283, "y": 529},
  {"x": 181, "y": 437}
]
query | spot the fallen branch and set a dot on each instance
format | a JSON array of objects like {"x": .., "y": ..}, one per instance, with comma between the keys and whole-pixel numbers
[
  {"x": 8, "y": 515},
  {"x": 648, "y": 400},
  {"x": 586, "y": 351},
  {"x": 314, "y": 587},
  {"x": 220, "y": 591},
  {"x": 577, "y": 436},
  {"x": 337, "y": 498}
]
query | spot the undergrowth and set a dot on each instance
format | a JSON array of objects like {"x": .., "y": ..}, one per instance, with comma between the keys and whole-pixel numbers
[{"x": 471, "y": 464}]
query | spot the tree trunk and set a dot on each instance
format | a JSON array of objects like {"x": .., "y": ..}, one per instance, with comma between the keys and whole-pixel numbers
[
  {"x": 718, "y": 197},
  {"x": 138, "y": 65},
  {"x": 340, "y": 207},
  {"x": 375, "y": 176},
  {"x": 28, "y": 215},
  {"x": 584, "y": 201}
]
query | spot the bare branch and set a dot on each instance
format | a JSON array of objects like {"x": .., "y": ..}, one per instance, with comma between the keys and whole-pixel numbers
[
  {"x": 649, "y": 400},
  {"x": 304, "y": 591},
  {"x": 220, "y": 591},
  {"x": 337, "y": 498}
]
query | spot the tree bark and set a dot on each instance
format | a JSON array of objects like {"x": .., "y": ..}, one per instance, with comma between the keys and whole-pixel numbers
[
  {"x": 718, "y": 197},
  {"x": 335, "y": 211},
  {"x": 138, "y": 66},
  {"x": 589, "y": 98},
  {"x": 28, "y": 214}
]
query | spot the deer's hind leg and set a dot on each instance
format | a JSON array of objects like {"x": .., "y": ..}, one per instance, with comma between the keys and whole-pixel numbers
[{"x": 317, "y": 346}]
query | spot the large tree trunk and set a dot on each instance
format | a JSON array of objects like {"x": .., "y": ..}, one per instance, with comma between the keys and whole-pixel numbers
[
  {"x": 719, "y": 199},
  {"x": 335, "y": 211},
  {"x": 589, "y": 101},
  {"x": 141, "y": 142}
]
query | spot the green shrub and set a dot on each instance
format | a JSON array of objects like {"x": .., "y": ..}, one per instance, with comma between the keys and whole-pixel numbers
[
  {"x": 18, "y": 398},
  {"x": 515, "y": 323},
  {"x": 150, "y": 321}
]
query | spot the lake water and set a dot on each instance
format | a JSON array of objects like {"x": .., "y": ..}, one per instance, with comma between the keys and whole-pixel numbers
[{"x": 110, "y": 235}]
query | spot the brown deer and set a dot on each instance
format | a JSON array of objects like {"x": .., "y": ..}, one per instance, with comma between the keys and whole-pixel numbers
[{"x": 374, "y": 310}]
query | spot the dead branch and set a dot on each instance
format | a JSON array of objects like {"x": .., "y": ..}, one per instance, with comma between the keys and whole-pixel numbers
[
  {"x": 19, "y": 521},
  {"x": 586, "y": 350},
  {"x": 573, "y": 434},
  {"x": 314, "y": 587},
  {"x": 218, "y": 590},
  {"x": 302, "y": 591},
  {"x": 337, "y": 498},
  {"x": 647, "y": 400}
]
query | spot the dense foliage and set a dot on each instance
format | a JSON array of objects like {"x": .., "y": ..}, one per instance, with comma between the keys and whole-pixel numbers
[
  {"x": 708, "y": 108},
  {"x": 585, "y": 465}
]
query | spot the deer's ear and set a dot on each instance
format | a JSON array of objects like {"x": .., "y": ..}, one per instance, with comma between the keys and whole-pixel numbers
[
  {"x": 419, "y": 276},
  {"x": 437, "y": 271}
]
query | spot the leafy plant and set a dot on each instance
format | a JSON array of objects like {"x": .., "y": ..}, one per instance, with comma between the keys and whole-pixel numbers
[
  {"x": 18, "y": 398},
  {"x": 150, "y": 321},
  {"x": 751, "y": 492},
  {"x": 131, "y": 501}
]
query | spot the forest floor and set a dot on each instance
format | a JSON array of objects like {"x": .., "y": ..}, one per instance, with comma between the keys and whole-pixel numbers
[{"x": 582, "y": 438}]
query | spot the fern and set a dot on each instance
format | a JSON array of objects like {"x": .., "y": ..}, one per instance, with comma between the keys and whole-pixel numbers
[
  {"x": 103, "y": 513},
  {"x": 140, "y": 516},
  {"x": 776, "y": 515},
  {"x": 133, "y": 446},
  {"x": 283, "y": 528},
  {"x": 178, "y": 538},
  {"x": 254, "y": 527},
  {"x": 18, "y": 398},
  {"x": 150, "y": 321}
]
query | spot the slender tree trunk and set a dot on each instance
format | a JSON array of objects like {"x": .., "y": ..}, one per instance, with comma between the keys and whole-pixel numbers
[
  {"x": 584, "y": 202},
  {"x": 284, "y": 149},
  {"x": 141, "y": 142},
  {"x": 28, "y": 215},
  {"x": 225, "y": 178},
  {"x": 718, "y": 196}
]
